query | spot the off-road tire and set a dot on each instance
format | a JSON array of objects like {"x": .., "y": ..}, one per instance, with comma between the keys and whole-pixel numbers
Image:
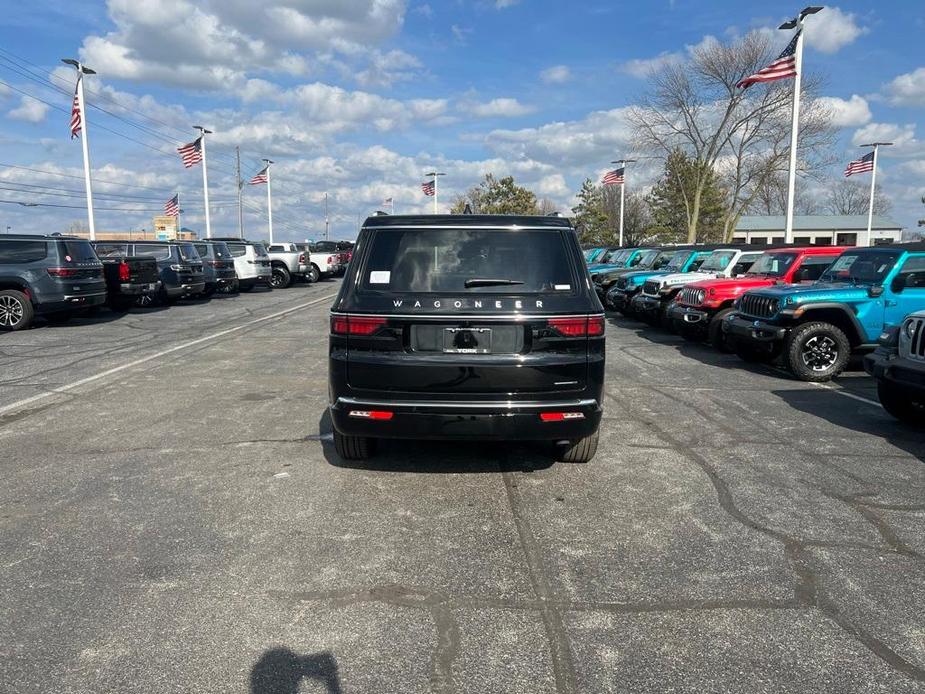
[
  {"x": 281, "y": 278},
  {"x": 798, "y": 342},
  {"x": 354, "y": 447},
  {"x": 715, "y": 335},
  {"x": 314, "y": 274},
  {"x": 664, "y": 321},
  {"x": 16, "y": 311},
  {"x": 580, "y": 451},
  {"x": 906, "y": 406}
]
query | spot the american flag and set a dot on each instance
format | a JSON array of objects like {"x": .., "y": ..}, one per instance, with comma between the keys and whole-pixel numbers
[
  {"x": 613, "y": 178},
  {"x": 261, "y": 177},
  {"x": 76, "y": 117},
  {"x": 172, "y": 206},
  {"x": 429, "y": 188},
  {"x": 862, "y": 165},
  {"x": 191, "y": 153},
  {"x": 785, "y": 66}
]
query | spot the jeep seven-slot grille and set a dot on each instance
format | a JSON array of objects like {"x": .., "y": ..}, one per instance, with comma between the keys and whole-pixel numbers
[
  {"x": 917, "y": 344},
  {"x": 758, "y": 306},
  {"x": 691, "y": 296},
  {"x": 650, "y": 288}
]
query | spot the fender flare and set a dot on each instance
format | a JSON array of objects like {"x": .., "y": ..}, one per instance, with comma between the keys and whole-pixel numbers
[{"x": 859, "y": 333}]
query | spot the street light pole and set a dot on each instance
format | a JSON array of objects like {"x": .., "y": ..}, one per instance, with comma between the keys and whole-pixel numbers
[
  {"x": 205, "y": 177},
  {"x": 622, "y": 163},
  {"x": 873, "y": 184},
  {"x": 797, "y": 24},
  {"x": 435, "y": 174},
  {"x": 84, "y": 138}
]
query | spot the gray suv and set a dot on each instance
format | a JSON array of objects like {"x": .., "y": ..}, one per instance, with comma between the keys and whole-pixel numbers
[{"x": 47, "y": 275}]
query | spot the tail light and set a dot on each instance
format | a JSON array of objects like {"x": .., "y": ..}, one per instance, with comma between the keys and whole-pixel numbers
[
  {"x": 330, "y": 260},
  {"x": 578, "y": 327},
  {"x": 342, "y": 324},
  {"x": 181, "y": 268},
  {"x": 382, "y": 415},
  {"x": 301, "y": 258},
  {"x": 560, "y": 416},
  {"x": 124, "y": 273},
  {"x": 62, "y": 272}
]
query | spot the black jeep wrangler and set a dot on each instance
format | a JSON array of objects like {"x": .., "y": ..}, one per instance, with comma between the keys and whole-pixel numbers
[{"x": 467, "y": 327}]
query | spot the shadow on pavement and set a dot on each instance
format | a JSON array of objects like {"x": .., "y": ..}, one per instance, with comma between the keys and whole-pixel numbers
[
  {"x": 855, "y": 416},
  {"x": 442, "y": 457},
  {"x": 281, "y": 671}
]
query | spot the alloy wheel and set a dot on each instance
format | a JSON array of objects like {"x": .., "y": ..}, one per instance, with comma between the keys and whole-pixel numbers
[
  {"x": 145, "y": 300},
  {"x": 11, "y": 311},
  {"x": 819, "y": 353}
]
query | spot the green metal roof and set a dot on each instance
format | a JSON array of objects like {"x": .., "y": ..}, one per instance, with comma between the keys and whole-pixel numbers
[{"x": 817, "y": 222}]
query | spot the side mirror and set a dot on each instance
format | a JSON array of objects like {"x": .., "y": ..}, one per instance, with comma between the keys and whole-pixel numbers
[
  {"x": 875, "y": 291},
  {"x": 899, "y": 283}
]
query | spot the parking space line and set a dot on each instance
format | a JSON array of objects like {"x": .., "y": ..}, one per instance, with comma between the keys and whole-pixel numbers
[
  {"x": 6, "y": 409},
  {"x": 842, "y": 391}
]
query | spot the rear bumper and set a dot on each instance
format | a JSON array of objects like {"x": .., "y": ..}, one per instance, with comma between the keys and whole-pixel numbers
[
  {"x": 452, "y": 420},
  {"x": 907, "y": 374},
  {"x": 65, "y": 302},
  {"x": 753, "y": 330},
  {"x": 186, "y": 289},
  {"x": 135, "y": 288}
]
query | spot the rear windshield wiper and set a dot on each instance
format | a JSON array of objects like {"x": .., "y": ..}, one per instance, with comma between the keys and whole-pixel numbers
[{"x": 488, "y": 282}]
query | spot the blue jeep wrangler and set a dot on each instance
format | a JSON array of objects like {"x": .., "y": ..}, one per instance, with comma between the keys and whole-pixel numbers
[
  {"x": 615, "y": 259},
  {"x": 620, "y": 296},
  {"x": 815, "y": 329}
]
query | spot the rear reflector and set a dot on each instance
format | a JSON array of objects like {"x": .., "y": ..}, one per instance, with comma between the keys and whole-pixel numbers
[
  {"x": 560, "y": 416},
  {"x": 383, "y": 415},
  {"x": 578, "y": 327},
  {"x": 355, "y": 325}
]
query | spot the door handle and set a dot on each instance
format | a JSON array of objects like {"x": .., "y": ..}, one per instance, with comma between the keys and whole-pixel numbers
[{"x": 887, "y": 302}]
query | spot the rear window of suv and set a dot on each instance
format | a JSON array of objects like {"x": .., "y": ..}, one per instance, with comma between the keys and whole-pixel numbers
[
  {"x": 80, "y": 252},
  {"x": 444, "y": 260}
]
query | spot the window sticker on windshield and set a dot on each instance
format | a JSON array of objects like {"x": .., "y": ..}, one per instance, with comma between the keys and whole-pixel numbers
[
  {"x": 380, "y": 277},
  {"x": 562, "y": 287}
]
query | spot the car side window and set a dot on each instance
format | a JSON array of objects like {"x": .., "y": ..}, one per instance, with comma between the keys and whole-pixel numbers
[
  {"x": 697, "y": 263},
  {"x": 237, "y": 249},
  {"x": 202, "y": 249},
  {"x": 158, "y": 251},
  {"x": 812, "y": 267},
  {"x": 22, "y": 251},
  {"x": 913, "y": 272},
  {"x": 110, "y": 250},
  {"x": 744, "y": 264}
]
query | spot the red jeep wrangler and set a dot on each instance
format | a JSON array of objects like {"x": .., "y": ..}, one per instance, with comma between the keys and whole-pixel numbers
[{"x": 700, "y": 307}]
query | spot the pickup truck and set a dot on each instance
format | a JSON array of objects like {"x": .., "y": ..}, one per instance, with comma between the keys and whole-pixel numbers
[
  {"x": 128, "y": 277},
  {"x": 814, "y": 330},
  {"x": 323, "y": 264},
  {"x": 898, "y": 365},
  {"x": 699, "y": 308},
  {"x": 341, "y": 250},
  {"x": 288, "y": 261}
]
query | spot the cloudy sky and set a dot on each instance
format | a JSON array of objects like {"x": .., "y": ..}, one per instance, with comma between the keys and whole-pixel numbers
[{"x": 358, "y": 98}]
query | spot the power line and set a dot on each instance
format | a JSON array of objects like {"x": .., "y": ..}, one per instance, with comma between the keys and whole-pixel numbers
[{"x": 56, "y": 173}]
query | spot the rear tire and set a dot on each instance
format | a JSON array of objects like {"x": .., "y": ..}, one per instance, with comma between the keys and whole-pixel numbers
[
  {"x": 354, "y": 447},
  {"x": 906, "y": 406},
  {"x": 281, "y": 278},
  {"x": 16, "y": 311},
  {"x": 314, "y": 274},
  {"x": 580, "y": 451},
  {"x": 715, "y": 334}
]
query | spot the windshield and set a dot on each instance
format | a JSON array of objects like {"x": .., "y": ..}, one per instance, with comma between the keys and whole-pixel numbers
[
  {"x": 860, "y": 267},
  {"x": 188, "y": 251},
  {"x": 592, "y": 253},
  {"x": 647, "y": 259},
  {"x": 772, "y": 264},
  {"x": 613, "y": 256},
  {"x": 465, "y": 261},
  {"x": 676, "y": 264},
  {"x": 717, "y": 261}
]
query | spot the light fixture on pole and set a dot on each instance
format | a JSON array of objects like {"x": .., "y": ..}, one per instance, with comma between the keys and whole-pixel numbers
[
  {"x": 873, "y": 183},
  {"x": 205, "y": 177},
  {"x": 622, "y": 163},
  {"x": 269, "y": 200},
  {"x": 795, "y": 23},
  {"x": 434, "y": 175},
  {"x": 84, "y": 136}
]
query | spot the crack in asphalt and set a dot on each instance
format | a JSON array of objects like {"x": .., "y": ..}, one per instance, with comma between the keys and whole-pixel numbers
[{"x": 808, "y": 590}]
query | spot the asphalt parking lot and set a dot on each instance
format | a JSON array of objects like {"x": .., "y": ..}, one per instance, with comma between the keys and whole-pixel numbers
[{"x": 174, "y": 519}]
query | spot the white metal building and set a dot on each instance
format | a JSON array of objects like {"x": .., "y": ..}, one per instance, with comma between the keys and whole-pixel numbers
[{"x": 840, "y": 230}]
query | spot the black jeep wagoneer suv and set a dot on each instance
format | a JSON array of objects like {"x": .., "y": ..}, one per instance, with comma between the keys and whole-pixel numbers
[{"x": 467, "y": 327}]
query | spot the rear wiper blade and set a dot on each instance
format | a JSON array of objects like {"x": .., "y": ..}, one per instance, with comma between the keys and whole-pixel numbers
[{"x": 488, "y": 282}]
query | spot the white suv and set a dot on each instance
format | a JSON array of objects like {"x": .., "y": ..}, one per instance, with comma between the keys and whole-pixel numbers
[{"x": 251, "y": 262}]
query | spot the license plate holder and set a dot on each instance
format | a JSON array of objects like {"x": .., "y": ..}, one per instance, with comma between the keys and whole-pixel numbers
[{"x": 467, "y": 340}]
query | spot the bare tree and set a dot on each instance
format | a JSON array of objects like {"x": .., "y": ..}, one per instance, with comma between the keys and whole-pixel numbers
[
  {"x": 77, "y": 226},
  {"x": 771, "y": 198},
  {"x": 740, "y": 134},
  {"x": 547, "y": 206},
  {"x": 846, "y": 197}
]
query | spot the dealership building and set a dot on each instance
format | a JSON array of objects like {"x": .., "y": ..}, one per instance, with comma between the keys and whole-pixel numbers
[{"x": 838, "y": 230}]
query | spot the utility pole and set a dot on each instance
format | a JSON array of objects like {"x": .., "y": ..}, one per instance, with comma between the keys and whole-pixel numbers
[
  {"x": 237, "y": 168},
  {"x": 81, "y": 126},
  {"x": 326, "y": 222}
]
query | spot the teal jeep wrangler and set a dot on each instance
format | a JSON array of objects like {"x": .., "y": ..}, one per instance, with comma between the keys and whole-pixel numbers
[{"x": 815, "y": 329}]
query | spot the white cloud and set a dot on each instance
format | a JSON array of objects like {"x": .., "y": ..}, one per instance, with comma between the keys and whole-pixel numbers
[
  {"x": 497, "y": 108},
  {"x": 557, "y": 74},
  {"x": 29, "y": 110},
  {"x": 903, "y": 137},
  {"x": 848, "y": 113},
  {"x": 501, "y": 4},
  {"x": 643, "y": 67},
  {"x": 908, "y": 89},
  {"x": 832, "y": 29}
]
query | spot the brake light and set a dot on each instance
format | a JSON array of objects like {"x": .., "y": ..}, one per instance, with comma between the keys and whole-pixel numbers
[
  {"x": 578, "y": 327},
  {"x": 560, "y": 416},
  {"x": 301, "y": 258},
  {"x": 124, "y": 273},
  {"x": 330, "y": 260},
  {"x": 382, "y": 415},
  {"x": 356, "y": 325},
  {"x": 62, "y": 272}
]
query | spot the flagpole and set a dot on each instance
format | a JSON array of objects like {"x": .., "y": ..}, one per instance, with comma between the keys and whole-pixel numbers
[
  {"x": 269, "y": 202},
  {"x": 435, "y": 193},
  {"x": 873, "y": 184},
  {"x": 205, "y": 178},
  {"x": 84, "y": 139},
  {"x": 794, "y": 133},
  {"x": 179, "y": 226},
  {"x": 622, "y": 164}
]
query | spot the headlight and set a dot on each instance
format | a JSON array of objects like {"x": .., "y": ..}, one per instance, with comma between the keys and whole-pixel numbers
[{"x": 909, "y": 328}]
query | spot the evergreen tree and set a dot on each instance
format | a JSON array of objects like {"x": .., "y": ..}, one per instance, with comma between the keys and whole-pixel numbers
[
  {"x": 497, "y": 196},
  {"x": 590, "y": 219},
  {"x": 672, "y": 198}
]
